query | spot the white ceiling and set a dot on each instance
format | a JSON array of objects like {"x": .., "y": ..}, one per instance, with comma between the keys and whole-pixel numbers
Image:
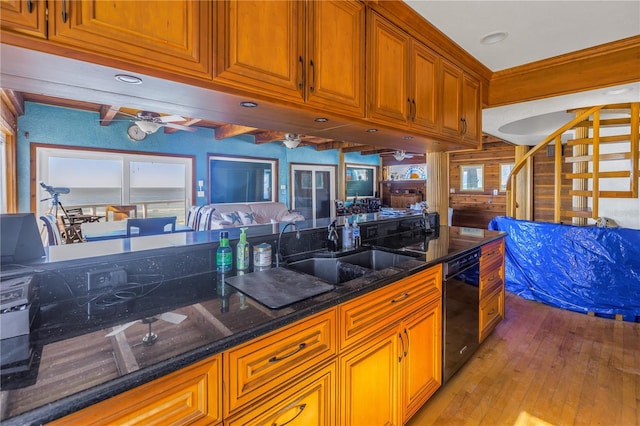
[{"x": 537, "y": 29}]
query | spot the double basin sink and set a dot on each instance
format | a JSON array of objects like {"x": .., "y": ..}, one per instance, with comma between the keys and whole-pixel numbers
[{"x": 348, "y": 266}]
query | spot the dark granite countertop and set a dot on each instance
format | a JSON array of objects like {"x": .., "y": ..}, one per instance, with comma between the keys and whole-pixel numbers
[{"x": 93, "y": 347}]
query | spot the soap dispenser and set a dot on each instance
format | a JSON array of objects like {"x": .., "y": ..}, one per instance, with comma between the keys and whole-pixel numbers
[
  {"x": 347, "y": 236},
  {"x": 242, "y": 252}
]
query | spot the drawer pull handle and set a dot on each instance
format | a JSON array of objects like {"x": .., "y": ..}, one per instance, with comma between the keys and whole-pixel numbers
[
  {"x": 300, "y": 347},
  {"x": 492, "y": 312},
  {"x": 300, "y": 407},
  {"x": 403, "y": 297},
  {"x": 29, "y": 6}
]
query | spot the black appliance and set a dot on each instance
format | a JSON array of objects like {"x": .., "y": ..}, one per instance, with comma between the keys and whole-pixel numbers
[
  {"x": 461, "y": 298},
  {"x": 20, "y": 239},
  {"x": 19, "y": 305}
]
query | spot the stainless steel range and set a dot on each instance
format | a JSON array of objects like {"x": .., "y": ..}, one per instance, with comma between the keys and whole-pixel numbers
[{"x": 461, "y": 279}]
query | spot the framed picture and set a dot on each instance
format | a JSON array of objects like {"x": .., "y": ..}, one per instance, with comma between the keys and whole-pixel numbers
[
  {"x": 505, "y": 171},
  {"x": 361, "y": 180},
  {"x": 472, "y": 177}
]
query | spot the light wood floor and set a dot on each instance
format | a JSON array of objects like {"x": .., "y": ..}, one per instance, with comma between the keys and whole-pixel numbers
[{"x": 544, "y": 365}]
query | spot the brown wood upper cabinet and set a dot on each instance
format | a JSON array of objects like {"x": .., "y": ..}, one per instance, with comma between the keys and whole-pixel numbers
[
  {"x": 402, "y": 77},
  {"x": 168, "y": 35},
  {"x": 310, "y": 52},
  {"x": 460, "y": 107},
  {"x": 26, "y": 17}
]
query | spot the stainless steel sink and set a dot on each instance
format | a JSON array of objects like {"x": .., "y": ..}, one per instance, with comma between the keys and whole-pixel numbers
[{"x": 337, "y": 270}]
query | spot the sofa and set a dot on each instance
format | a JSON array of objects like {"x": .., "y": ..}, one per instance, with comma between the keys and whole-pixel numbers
[{"x": 232, "y": 215}]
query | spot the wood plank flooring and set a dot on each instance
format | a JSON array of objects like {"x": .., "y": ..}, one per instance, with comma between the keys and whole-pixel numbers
[{"x": 545, "y": 366}]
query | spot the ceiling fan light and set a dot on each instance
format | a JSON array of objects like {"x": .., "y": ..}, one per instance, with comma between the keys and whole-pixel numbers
[
  {"x": 291, "y": 140},
  {"x": 399, "y": 155},
  {"x": 148, "y": 127}
]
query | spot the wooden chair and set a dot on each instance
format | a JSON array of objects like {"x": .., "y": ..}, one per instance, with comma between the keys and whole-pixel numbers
[
  {"x": 151, "y": 226},
  {"x": 53, "y": 231},
  {"x": 121, "y": 212}
]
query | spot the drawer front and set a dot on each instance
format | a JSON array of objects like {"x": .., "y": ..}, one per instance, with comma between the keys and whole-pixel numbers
[
  {"x": 492, "y": 255},
  {"x": 491, "y": 313},
  {"x": 192, "y": 395},
  {"x": 361, "y": 317},
  {"x": 310, "y": 402},
  {"x": 490, "y": 280},
  {"x": 259, "y": 367}
]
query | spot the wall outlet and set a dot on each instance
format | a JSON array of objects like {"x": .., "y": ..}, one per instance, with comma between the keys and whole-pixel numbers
[
  {"x": 103, "y": 278},
  {"x": 495, "y": 192}
]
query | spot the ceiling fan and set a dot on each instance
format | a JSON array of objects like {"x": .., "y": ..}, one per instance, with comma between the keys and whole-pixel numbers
[
  {"x": 147, "y": 122},
  {"x": 401, "y": 154},
  {"x": 291, "y": 140}
]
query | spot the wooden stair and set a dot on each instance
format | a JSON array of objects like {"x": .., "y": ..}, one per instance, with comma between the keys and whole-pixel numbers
[{"x": 604, "y": 156}]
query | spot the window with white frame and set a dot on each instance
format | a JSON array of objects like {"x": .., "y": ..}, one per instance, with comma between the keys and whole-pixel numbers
[{"x": 159, "y": 185}]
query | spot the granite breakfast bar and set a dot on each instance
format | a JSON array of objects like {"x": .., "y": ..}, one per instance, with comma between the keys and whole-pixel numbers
[{"x": 175, "y": 311}]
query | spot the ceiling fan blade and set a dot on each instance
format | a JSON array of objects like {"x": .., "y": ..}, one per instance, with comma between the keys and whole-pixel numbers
[
  {"x": 172, "y": 317},
  {"x": 170, "y": 118},
  {"x": 179, "y": 127},
  {"x": 121, "y": 328}
]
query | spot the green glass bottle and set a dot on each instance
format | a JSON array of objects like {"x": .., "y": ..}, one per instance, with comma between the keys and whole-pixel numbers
[{"x": 224, "y": 254}]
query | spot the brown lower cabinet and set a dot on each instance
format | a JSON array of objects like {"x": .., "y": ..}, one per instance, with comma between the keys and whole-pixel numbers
[
  {"x": 192, "y": 395},
  {"x": 375, "y": 359}
]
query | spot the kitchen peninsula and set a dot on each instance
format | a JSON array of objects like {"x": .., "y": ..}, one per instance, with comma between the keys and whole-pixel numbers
[{"x": 160, "y": 343}]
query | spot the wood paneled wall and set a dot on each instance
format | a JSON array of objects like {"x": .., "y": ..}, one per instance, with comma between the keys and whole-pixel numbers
[
  {"x": 474, "y": 208},
  {"x": 543, "y": 184}
]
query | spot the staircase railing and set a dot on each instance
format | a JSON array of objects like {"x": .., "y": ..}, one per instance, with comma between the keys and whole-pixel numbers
[{"x": 581, "y": 118}]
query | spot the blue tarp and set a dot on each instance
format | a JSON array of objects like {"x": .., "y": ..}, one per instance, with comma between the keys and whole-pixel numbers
[{"x": 580, "y": 268}]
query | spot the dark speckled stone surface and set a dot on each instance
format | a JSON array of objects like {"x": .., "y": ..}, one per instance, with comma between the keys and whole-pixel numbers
[{"x": 76, "y": 364}]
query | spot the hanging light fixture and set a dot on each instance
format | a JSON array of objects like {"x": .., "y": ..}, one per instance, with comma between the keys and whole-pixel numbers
[
  {"x": 291, "y": 140},
  {"x": 399, "y": 155}
]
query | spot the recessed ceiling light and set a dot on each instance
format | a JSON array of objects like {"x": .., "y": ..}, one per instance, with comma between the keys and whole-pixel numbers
[
  {"x": 619, "y": 91},
  {"x": 321, "y": 120},
  {"x": 494, "y": 37},
  {"x": 372, "y": 130},
  {"x": 407, "y": 138},
  {"x": 129, "y": 79},
  {"x": 248, "y": 104}
]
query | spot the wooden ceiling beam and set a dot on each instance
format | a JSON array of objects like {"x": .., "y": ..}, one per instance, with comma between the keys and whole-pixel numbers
[
  {"x": 107, "y": 114},
  {"x": 13, "y": 100},
  {"x": 268, "y": 136},
  {"x": 230, "y": 130}
]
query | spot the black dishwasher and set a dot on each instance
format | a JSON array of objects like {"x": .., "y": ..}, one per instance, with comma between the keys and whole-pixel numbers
[{"x": 461, "y": 298}]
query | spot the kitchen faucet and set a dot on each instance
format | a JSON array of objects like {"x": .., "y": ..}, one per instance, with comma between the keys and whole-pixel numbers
[
  {"x": 333, "y": 237},
  {"x": 278, "y": 255}
]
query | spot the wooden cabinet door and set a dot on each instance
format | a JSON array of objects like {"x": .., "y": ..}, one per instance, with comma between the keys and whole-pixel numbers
[
  {"x": 260, "y": 47},
  {"x": 471, "y": 111},
  {"x": 24, "y": 17},
  {"x": 192, "y": 395},
  {"x": 310, "y": 402},
  {"x": 388, "y": 53},
  {"x": 369, "y": 382},
  {"x": 421, "y": 339},
  {"x": 424, "y": 65},
  {"x": 168, "y": 35},
  {"x": 451, "y": 99},
  {"x": 335, "y": 56}
]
